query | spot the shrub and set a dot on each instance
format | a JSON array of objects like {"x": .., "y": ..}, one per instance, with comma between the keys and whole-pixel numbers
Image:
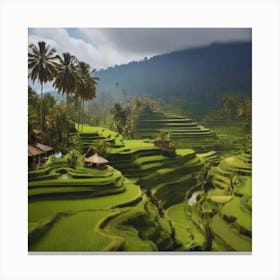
[
  {"x": 72, "y": 158},
  {"x": 101, "y": 148},
  {"x": 166, "y": 145}
]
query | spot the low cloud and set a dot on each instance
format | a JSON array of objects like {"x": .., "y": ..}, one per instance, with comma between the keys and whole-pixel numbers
[{"x": 103, "y": 47}]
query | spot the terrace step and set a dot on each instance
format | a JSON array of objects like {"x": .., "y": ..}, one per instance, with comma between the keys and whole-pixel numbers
[{"x": 149, "y": 124}]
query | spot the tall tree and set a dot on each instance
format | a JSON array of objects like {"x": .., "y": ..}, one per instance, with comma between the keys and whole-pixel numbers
[
  {"x": 86, "y": 85},
  {"x": 42, "y": 67},
  {"x": 67, "y": 76}
]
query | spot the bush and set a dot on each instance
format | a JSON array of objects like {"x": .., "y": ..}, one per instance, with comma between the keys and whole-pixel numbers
[
  {"x": 166, "y": 145},
  {"x": 73, "y": 158},
  {"x": 101, "y": 148}
]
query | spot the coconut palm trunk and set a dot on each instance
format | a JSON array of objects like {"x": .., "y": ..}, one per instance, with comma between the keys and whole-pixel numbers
[
  {"x": 41, "y": 117},
  {"x": 83, "y": 110},
  {"x": 79, "y": 113},
  {"x": 42, "y": 68},
  {"x": 65, "y": 81}
]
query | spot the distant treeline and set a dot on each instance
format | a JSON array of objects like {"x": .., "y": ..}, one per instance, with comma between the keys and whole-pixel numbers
[{"x": 199, "y": 76}]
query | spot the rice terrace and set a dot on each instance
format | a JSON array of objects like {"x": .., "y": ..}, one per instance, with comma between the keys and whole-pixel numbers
[{"x": 137, "y": 143}]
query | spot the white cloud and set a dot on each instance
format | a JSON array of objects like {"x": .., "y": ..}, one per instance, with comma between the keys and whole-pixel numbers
[
  {"x": 149, "y": 41},
  {"x": 99, "y": 54},
  {"x": 103, "y": 47},
  {"x": 60, "y": 39}
]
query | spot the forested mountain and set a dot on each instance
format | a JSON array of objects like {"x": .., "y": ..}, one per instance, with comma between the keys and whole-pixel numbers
[{"x": 199, "y": 76}]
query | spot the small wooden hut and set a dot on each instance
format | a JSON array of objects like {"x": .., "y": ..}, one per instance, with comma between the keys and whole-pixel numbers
[
  {"x": 96, "y": 160},
  {"x": 35, "y": 152}
]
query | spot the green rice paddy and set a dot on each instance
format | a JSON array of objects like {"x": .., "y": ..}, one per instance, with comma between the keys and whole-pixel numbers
[
  {"x": 90, "y": 209},
  {"x": 185, "y": 132}
]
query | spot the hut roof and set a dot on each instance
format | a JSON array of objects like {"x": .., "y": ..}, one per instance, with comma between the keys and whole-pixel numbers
[
  {"x": 43, "y": 147},
  {"x": 38, "y": 149},
  {"x": 96, "y": 159},
  {"x": 33, "y": 151}
]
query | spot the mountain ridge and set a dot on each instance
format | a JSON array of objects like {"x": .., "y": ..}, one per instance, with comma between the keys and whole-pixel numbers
[{"x": 199, "y": 75}]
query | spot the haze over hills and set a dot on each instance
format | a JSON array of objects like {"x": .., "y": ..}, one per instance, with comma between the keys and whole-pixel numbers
[{"x": 199, "y": 75}]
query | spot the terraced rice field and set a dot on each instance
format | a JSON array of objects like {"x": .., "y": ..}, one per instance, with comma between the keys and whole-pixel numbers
[
  {"x": 232, "y": 238},
  {"x": 75, "y": 233},
  {"x": 70, "y": 213},
  {"x": 117, "y": 208},
  {"x": 232, "y": 224},
  {"x": 186, "y": 231},
  {"x": 185, "y": 132},
  {"x": 233, "y": 134},
  {"x": 239, "y": 165}
]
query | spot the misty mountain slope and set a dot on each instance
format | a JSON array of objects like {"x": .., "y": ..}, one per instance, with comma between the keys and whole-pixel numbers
[{"x": 199, "y": 75}]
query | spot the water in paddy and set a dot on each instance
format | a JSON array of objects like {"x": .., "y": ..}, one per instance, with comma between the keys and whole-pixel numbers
[{"x": 192, "y": 200}]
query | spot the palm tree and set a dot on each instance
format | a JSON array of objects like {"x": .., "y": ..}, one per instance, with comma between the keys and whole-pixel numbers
[
  {"x": 67, "y": 77},
  {"x": 86, "y": 85},
  {"x": 42, "y": 66},
  {"x": 67, "y": 74}
]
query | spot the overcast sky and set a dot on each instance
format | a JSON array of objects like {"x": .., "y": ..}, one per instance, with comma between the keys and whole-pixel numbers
[{"x": 103, "y": 47}]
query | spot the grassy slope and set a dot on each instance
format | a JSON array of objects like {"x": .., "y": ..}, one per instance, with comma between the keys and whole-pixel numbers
[
  {"x": 233, "y": 134},
  {"x": 142, "y": 229},
  {"x": 74, "y": 233},
  {"x": 229, "y": 235},
  {"x": 42, "y": 209},
  {"x": 186, "y": 231},
  {"x": 96, "y": 209},
  {"x": 235, "y": 209}
]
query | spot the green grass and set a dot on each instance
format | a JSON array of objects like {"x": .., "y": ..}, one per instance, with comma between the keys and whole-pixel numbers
[
  {"x": 126, "y": 220},
  {"x": 186, "y": 231},
  {"x": 246, "y": 188},
  {"x": 184, "y": 132},
  {"x": 231, "y": 130},
  {"x": 235, "y": 209},
  {"x": 127, "y": 227},
  {"x": 142, "y": 229},
  {"x": 100, "y": 130},
  {"x": 184, "y": 152},
  {"x": 149, "y": 159},
  {"x": 74, "y": 233},
  {"x": 231, "y": 237},
  {"x": 138, "y": 144},
  {"x": 41, "y": 209}
]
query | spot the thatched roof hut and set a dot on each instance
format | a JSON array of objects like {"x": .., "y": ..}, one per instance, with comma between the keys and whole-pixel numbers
[
  {"x": 43, "y": 147},
  {"x": 38, "y": 149},
  {"x": 33, "y": 151},
  {"x": 96, "y": 159}
]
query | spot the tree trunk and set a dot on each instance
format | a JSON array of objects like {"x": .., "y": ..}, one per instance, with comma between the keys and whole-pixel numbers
[
  {"x": 82, "y": 114},
  {"x": 79, "y": 113},
  {"x": 67, "y": 128},
  {"x": 41, "y": 117}
]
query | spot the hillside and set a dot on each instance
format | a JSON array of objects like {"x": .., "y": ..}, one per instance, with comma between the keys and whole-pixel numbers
[{"x": 199, "y": 75}]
